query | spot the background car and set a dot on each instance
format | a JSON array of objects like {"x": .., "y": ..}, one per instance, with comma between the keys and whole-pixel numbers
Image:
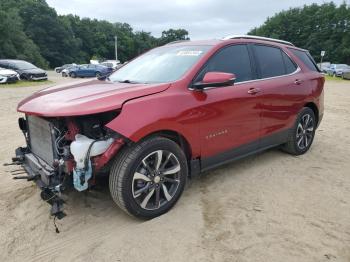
[
  {"x": 8, "y": 76},
  {"x": 61, "y": 68},
  {"x": 25, "y": 69},
  {"x": 90, "y": 71},
  {"x": 115, "y": 64},
  {"x": 346, "y": 74},
  {"x": 337, "y": 69},
  {"x": 65, "y": 72},
  {"x": 324, "y": 66}
]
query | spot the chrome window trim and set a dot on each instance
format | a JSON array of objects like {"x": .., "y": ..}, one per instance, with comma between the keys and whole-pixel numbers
[
  {"x": 249, "y": 81},
  {"x": 268, "y": 78}
]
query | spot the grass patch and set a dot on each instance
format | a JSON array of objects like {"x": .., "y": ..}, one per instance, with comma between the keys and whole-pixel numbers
[
  {"x": 337, "y": 79},
  {"x": 25, "y": 83}
]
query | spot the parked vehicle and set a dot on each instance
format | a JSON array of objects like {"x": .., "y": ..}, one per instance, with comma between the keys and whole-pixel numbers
[
  {"x": 26, "y": 71},
  {"x": 114, "y": 64},
  {"x": 61, "y": 68},
  {"x": 337, "y": 69},
  {"x": 65, "y": 72},
  {"x": 89, "y": 71},
  {"x": 324, "y": 66},
  {"x": 170, "y": 114},
  {"x": 8, "y": 76},
  {"x": 346, "y": 74}
]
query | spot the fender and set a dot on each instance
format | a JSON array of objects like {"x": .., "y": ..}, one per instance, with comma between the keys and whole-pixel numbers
[{"x": 144, "y": 116}]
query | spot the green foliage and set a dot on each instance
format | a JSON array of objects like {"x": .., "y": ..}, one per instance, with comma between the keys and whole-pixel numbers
[
  {"x": 314, "y": 27},
  {"x": 173, "y": 35},
  {"x": 31, "y": 30}
]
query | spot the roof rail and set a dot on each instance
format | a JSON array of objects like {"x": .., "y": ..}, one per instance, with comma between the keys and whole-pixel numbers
[
  {"x": 175, "y": 42},
  {"x": 257, "y": 38}
]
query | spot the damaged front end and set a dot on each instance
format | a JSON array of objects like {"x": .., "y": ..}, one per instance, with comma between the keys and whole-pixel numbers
[{"x": 66, "y": 152}]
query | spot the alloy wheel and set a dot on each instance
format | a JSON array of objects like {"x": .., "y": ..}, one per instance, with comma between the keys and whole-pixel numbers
[
  {"x": 156, "y": 180},
  {"x": 305, "y": 131}
]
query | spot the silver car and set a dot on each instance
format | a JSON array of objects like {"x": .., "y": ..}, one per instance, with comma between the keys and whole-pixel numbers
[
  {"x": 346, "y": 74},
  {"x": 337, "y": 69}
]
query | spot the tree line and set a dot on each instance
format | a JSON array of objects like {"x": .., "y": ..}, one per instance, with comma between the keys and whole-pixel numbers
[
  {"x": 314, "y": 27},
  {"x": 31, "y": 30}
]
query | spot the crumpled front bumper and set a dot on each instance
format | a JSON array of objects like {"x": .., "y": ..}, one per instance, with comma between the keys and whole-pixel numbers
[{"x": 46, "y": 177}]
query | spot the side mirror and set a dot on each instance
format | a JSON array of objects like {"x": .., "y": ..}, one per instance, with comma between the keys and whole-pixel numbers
[{"x": 215, "y": 79}]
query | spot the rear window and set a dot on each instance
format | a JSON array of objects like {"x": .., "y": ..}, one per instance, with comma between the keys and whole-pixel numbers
[
  {"x": 306, "y": 58},
  {"x": 289, "y": 64}
]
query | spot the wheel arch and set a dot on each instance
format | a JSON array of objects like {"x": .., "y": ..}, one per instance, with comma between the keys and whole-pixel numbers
[
  {"x": 175, "y": 136},
  {"x": 314, "y": 108}
]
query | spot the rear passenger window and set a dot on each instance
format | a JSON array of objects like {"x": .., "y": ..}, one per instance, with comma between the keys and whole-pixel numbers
[
  {"x": 270, "y": 61},
  {"x": 233, "y": 59},
  {"x": 306, "y": 58},
  {"x": 290, "y": 66}
]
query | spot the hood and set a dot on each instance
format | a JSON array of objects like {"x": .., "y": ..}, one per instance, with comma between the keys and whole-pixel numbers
[
  {"x": 7, "y": 72},
  {"x": 89, "y": 97},
  {"x": 32, "y": 71}
]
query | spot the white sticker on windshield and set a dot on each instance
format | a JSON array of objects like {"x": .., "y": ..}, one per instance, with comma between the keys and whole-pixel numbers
[{"x": 189, "y": 53}]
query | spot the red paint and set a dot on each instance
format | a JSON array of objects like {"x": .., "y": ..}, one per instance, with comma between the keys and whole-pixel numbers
[
  {"x": 239, "y": 114},
  {"x": 73, "y": 130},
  {"x": 99, "y": 161},
  {"x": 70, "y": 164},
  {"x": 217, "y": 77},
  {"x": 83, "y": 99}
]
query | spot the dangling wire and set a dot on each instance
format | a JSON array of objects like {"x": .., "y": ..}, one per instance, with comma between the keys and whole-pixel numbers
[{"x": 54, "y": 223}]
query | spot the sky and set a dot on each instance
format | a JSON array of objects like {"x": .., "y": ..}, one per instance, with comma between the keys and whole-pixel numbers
[{"x": 203, "y": 19}]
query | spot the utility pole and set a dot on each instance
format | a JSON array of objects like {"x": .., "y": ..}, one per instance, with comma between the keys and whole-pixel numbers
[{"x": 116, "y": 47}]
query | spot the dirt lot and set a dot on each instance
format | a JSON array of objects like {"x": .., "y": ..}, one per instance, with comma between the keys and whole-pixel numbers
[{"x": 269, "y": 207}]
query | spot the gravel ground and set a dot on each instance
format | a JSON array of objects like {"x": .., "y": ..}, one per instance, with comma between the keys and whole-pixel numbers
[{"x": 268, "y": 207}]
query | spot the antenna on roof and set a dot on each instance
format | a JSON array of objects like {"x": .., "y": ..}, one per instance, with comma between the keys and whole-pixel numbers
[{"x": 257, "y": 38}]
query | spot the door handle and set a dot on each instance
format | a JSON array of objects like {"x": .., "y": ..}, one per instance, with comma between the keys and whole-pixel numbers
[
  {"x": 253, "y": 91},
  {"x": 298, "y": 81}
]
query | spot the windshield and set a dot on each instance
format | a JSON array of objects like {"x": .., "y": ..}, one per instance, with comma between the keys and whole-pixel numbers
[
  {"x": 23, "y": 65},
  {"x": 342, "y": 66},
  {"x": 160, "y": 65}
]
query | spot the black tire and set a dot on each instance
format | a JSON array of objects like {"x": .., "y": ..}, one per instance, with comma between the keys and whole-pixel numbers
[
  {"x": 23, "y": 77},
  {"x": 73, "y": 75},
  {"x": 300, "y": 141},
  {"x": 129, "y": 162}
]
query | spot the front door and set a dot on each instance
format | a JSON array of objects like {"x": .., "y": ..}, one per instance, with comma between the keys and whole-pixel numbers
[{"x": 230, "y": 125}]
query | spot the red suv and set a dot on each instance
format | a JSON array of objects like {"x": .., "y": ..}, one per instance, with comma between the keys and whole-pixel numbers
[{"x": 170, "y": 114}]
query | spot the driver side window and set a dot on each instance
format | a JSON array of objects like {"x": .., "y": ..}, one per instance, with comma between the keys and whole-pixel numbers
[{"x": 232, "y": 59}]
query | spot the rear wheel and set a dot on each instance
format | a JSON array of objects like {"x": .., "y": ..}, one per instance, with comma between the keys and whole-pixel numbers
[
  {"x": 148, "y": 178},
  {"x": 302, "y": 134}
]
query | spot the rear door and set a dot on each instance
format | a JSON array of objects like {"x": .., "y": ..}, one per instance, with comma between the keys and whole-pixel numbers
[
  {"x": 282, "y": 87},
  {"x": 230, "y": 114},
  {"x": 91, "y": 70}
]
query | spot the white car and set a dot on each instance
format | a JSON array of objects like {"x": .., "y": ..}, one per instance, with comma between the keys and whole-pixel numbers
[
  {"x": 8, "y": 76},
  {"x": 115, "y": 64}
]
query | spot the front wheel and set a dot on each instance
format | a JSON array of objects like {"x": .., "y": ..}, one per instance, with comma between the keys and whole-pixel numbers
[
  {"x": 302, "y": 134},
  {"x": 148, "y": 178}
]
